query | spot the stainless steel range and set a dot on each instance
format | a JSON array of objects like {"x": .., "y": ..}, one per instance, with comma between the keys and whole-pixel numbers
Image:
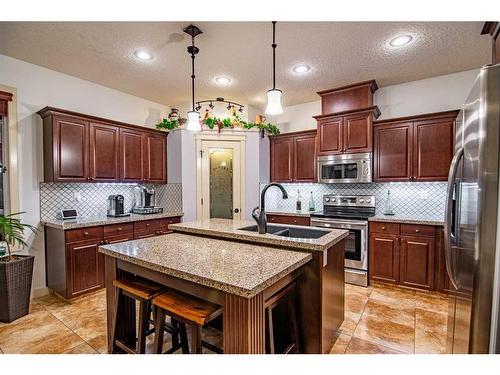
[{"x": 350, "y": 212}]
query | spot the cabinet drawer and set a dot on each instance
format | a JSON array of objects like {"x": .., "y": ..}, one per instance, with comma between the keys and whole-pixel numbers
[
  {"x": 417, "y": 230},
  {"x": 116, "y": 229},
  {"x": 164, "y": 223},
  {"x": 74, "y": 235},
  {"x": 109, "y": 240},
  {"x": 379, "y": 227},
  {"x": 145, "y": 234},
  {"x": 146, "y": 225},
  {"x": 292, "y": 220}
]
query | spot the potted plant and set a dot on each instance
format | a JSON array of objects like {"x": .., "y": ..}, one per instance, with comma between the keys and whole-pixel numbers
[{"x": 16, "y": 271}]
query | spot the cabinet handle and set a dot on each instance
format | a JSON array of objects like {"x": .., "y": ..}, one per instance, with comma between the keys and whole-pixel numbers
[
  {"x": 147, "y": 225},
  {"x": 417, "y": 230},
  {"x": 85, "y": 233},
  {"x": 119, "y": 228},
  {"x": 295, "y": 221},
  {"x": 383, "y": 228}
]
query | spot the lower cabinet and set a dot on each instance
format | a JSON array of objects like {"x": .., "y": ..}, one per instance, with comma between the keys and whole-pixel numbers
[
  {"x": 288, "y": 219},
  {"x": 74, "y": 264},
  {"x": 403, "y": 254}
]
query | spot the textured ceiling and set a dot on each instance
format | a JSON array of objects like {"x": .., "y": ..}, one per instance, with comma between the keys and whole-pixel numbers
[{"x": 338, "y": 52}]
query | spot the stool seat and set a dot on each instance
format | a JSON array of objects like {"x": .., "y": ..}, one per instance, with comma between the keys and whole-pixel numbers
[
  {"x": 138, "y": 287},
  {"x": 190, "y": 309}
]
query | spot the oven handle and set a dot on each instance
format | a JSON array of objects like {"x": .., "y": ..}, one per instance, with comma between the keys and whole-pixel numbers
[{"x": 354, "y": 224}]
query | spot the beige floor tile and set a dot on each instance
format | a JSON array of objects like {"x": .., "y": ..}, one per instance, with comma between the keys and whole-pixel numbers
[
  {"x": 99, "y": 343},
  {"x": 387, "y": 333},
  {"x": 394, "y": 296},
  {"x": 81, "y": 349},
  {"x": 341, "y": 342},
  {"x": 431, "y": 301},
  {"x": 387, "y": 311},
  {"x": 355, "y": 302},
  {"x": 350, "y": 288},
  {"x": 359, "y": 346},
  {"x": 350, "y": 322},
  {"x": 430, "y": 332},
  {"x": 36, "y": 333}
]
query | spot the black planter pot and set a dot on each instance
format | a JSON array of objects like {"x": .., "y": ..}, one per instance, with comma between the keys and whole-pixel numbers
[{"x": 15, "y": 287}]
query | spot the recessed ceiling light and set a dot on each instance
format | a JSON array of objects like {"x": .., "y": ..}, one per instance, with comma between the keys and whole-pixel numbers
[
  {"x": 143, "y": 55},
  {"x": 301, "y": 68},
  {"x": 401, "y": 40},
  {"x": 222, "y": 80}
]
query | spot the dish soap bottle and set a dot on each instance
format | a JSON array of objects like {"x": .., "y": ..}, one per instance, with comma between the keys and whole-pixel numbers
[
  {"x": 299, "y": 203},
  {"x": 388, "y": 210},
  {"x": 312, "y": 206}
]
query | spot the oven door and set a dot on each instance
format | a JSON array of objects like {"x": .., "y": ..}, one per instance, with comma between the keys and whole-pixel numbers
[
  {"x": 348, "y": 168},
  {"x": 356, "y": 243}
]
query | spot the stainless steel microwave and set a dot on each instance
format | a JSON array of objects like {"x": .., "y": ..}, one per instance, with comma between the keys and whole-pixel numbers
[{"x": 345, "y": 168}]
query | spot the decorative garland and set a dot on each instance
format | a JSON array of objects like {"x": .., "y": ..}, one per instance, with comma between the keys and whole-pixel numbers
[{"x": 225, "y": 123}]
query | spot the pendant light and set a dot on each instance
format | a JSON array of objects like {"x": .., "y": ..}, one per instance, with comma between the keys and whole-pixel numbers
[
  {"x": 193, "y": 115},
  {"x": 274, "y": 95}
]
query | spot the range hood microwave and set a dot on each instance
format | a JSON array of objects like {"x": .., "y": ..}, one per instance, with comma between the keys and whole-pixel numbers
[{"x": 345, "y": 168}]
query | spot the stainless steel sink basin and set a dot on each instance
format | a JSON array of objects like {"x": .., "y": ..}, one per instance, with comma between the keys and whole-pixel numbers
[{"x": 294, "y": 232}]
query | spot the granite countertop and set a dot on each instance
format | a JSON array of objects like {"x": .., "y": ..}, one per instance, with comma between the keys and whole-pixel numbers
[
  {"x": 228, "y": 229},
  {"x": 423, "y": 219},
  {"x": 104, "y": 220},
  {"x": 233, "y": 267},
  {"x": 289, "y": 212}
]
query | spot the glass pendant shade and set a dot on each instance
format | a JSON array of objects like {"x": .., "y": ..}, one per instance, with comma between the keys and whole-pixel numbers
[
  {"x": 193, "y": 121},
  {"x": 274, "y": 102}
]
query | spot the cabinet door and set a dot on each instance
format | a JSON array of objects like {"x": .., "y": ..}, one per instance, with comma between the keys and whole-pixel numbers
[
  {"x": 155, "y": 158},
  {"x": 70, "y": 152},
  {"x": 85, "y": 266},
  {"x": 292, "y": 220},
  {"x": 357, "y": 131},
  {"x": 104, "y": 153},
  {"x": 384, "y": 258},
  {"x": 330, "y": 133},
  {"x": 282, "y": 159},
  {"x": 305, "y": 158},
  {"x": 393, "y": 152},
  {"x": 433, "y": 149},
  {"x": 417, "y": 262},
  {"x": 131, "y": 155}
]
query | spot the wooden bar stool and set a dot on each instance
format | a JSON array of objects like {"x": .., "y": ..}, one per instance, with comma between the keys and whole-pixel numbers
[
  {"x": 142, "y": 291},
  {"x": 282, "y": 333},
  {"x": 184, "y": 309}
]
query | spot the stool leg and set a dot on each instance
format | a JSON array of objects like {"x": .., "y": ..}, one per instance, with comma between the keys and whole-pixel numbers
[
  {"x": 159, "y": 329},
  {"x": 293, "y": 318},
  {"x": 184, "y": 338},
  {"x": 175, "y": 335},
  {"x": 195, "y": 339},
  {"x": 271, "y": 329},
  {"x": 115, "y": 319},
  {"x": 143, "y": 325}
]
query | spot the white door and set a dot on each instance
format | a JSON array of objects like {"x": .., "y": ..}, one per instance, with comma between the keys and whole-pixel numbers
[{"x": 221, "y": 180}]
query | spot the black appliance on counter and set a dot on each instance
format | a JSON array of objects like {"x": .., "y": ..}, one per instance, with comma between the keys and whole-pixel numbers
[{"x": 116, "y": 206}]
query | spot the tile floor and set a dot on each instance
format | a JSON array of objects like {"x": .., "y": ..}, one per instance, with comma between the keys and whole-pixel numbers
[{"x": 379, "y": 319}]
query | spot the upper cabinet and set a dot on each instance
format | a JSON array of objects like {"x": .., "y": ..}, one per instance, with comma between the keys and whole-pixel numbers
[
  {"x": 493, "y": 30},
  {"x": 346, "y": 122},
  {"x": 293, "y": 157},
  {"x": 418, "y": 148},
  {"x": 81, "y": 148}
]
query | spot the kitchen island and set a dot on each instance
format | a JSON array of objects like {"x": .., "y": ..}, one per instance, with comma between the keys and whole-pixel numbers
[{"x": 240, "y": 276}]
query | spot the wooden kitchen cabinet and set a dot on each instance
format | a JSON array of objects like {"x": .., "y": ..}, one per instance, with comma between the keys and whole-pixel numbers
[
  {"x": 418, "y": 148},
  {"x": 330, "y": 136},
  {"x": 417, "y": 262},
  {"x": 83, "y": 148},
  {"x": 358, "y": 132},
  {"x": 384, "y": 258},
  {"x": 288, "y": 219},
  {"x": 293, "y": 157},
  {"x": 86, "y": 267}
]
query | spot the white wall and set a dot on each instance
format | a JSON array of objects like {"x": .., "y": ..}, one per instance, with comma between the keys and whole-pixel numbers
[
  {"x": 435, "y": 94},
  {"x": 38, "y": 87}
]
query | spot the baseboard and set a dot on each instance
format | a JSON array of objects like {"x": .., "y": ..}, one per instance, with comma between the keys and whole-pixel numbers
[{"x": 39, "y": 292}]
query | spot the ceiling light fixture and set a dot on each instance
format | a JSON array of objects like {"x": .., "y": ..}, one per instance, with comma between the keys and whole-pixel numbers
[
  {"x": 301, "y": 68},
  {"x": 193, "y": 115},
  {"x": 400, "y": 41},
  {"x": 222, "y": 80},
  {"x": 274, "y": 95},
  {"x": 143, "y": 55}
]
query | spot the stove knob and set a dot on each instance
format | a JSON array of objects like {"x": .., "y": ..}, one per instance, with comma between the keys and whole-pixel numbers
[
  {"x": 368, "y": 200},
  {"x": 327, "y": 199},
  {"x": 361, "y": 200},
  {"x": 334, "y": 200}
]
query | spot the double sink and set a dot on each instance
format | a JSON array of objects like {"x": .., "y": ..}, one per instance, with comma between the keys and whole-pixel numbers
[{"x": 292, "y": 231}]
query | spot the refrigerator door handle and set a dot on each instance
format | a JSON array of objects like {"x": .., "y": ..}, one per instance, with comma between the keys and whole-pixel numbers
[{"x": 449, "y": 214}]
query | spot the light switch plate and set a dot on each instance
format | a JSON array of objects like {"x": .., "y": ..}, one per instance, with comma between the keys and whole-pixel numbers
[{"x": 423, "y": 194}]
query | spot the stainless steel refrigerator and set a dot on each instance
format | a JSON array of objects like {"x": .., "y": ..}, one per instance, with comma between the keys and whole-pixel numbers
[{"x": 472, "y": 221}]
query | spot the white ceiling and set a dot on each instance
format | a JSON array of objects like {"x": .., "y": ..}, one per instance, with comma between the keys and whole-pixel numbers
[{"x": 338, "y": 52}]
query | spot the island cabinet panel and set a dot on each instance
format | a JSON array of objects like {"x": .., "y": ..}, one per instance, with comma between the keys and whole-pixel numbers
[
  {"x": 384, "y": 258},
  {"x": 86, "y": 267},
  {"x": 104, "y": 153},
  {"x": 393, "y": 152},
  {"x": 358, "y": 132},
  {"x": 330, "y": 136},
  {"x": 288, "y": 219},
  {"x": 417, "y": 262},
  {"x": 84, "y": 148},
  {"x": 155, "y": 158},
  {"x": 418, "y": 148},
  {"x": 293, "y": 157}
]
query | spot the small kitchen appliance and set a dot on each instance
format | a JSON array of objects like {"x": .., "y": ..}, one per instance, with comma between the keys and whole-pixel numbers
[
  {"x": 345, "y": 168},
  {"x": 116, "y": 206},
  {"x": 144, "y": 201}
]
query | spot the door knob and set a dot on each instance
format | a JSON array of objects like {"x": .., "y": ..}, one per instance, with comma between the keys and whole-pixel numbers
[{"x": 236, "y": 210}]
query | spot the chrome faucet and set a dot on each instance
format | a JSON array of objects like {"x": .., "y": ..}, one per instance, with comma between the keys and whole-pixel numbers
[{"x": 260, "y": 217}]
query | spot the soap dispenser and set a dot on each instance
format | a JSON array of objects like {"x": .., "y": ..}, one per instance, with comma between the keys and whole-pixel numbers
[{"x": 388, "y": 210}]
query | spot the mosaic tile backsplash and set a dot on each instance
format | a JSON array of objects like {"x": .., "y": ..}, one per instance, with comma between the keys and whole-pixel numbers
[
  {"x": 406, "y": 196},
  {"x": 93, "y": 202}
]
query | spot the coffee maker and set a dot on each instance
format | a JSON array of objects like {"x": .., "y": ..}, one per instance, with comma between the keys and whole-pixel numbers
[
  {"x": 116, "y": 206},
  {"x": 144, "y": 201}
]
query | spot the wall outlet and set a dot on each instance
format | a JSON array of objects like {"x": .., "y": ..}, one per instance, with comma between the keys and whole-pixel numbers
[
  {"x": 423, "y": 194},
  {"x": 78, "y": 197}
]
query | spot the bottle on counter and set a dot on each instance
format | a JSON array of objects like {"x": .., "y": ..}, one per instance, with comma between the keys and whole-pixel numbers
[
  {"x": 388, "y": 210},
  {"x": 299, "y": 203},
  {"x": 312, "y": 206}
]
